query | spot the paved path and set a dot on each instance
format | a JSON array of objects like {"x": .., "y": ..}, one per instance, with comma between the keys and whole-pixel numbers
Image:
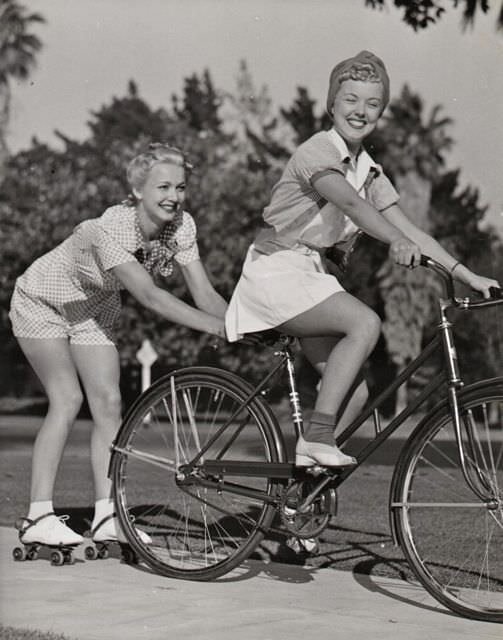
[{"x": 109, "y": 600}]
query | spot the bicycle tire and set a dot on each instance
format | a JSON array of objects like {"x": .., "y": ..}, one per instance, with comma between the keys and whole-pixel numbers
[
  {"x": 452, "y": 540},
  {"x": 197, "y": 533}
]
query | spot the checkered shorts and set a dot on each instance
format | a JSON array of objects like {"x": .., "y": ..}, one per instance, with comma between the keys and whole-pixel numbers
[
  {"x": 31, "y": 317},
  {"x": 72, "y": 292}
]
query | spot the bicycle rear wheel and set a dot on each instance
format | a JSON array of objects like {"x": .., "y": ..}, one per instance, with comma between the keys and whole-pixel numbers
[
  {"x": 198, "y": 532},
  {"x": 452, "y": 539}
]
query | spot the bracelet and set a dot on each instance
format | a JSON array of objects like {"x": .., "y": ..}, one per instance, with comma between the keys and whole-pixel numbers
[{"x": 454, "y": 266}]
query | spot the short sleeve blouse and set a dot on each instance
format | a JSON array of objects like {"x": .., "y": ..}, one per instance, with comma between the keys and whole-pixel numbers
[
  {"x": 297, "y": 213},
  {"x": 116, "y": 238}
]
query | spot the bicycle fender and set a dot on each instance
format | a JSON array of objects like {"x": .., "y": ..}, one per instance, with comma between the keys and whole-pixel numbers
[{"x": 433, "y": 415}]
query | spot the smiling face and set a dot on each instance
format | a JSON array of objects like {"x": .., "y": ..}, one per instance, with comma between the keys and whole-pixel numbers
[
  {"x": 161, "y": 196},
  {"x": 357, "y": 107}
]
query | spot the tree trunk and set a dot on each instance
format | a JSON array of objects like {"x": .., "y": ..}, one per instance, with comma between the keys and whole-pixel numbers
[
  {"x": 415, "y": 197},
  {"x": 4, "y": 123}
]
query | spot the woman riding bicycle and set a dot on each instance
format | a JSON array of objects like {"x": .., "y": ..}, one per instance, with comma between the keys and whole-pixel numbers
[{"x": 329, "y": 189}]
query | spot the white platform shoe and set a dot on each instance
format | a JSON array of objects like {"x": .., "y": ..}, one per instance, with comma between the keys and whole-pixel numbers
[{"x": 309, "y": 453}]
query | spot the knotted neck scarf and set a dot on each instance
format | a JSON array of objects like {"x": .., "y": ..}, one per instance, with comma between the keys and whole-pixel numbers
[{"x": 157, "y": 255}]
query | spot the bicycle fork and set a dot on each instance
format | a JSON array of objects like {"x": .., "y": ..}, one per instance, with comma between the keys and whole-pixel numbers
[{"x": 475, "y": 479}]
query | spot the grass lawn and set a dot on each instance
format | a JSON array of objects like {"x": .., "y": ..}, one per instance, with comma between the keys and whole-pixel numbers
[
  {"x": 357, "y": 539},
  {"x": 11, "y": 633}
]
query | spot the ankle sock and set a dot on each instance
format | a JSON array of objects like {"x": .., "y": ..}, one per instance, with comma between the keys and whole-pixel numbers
[
  {"x": 321, "y": 428},
  {"x": 102, "y": 509},
  {"x": 39, "y": 508}
]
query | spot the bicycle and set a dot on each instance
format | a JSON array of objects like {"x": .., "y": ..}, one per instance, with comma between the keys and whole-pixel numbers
[{"x": 200, "y": 463}]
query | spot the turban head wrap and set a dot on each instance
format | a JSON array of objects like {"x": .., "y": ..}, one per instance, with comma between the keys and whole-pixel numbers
[{"x": 366, "y": 59}]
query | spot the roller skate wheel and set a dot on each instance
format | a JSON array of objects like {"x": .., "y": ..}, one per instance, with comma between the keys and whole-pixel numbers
[
  {"x": 69, "y": 559},
  {"x": 57, "y": 558},
  {"x": 103, "y": 552},
  {"x": 19, "y": 554},
  {"x": 32, "y": 554},
  {"x": 128, "y": 555},
  {"x": 90, "y": 553}
]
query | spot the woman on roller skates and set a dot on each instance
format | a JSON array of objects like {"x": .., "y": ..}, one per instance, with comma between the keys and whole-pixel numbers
[{"x": 66, "y": 306}]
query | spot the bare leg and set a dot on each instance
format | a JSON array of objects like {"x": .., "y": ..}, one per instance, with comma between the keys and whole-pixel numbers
[
  {"x": 52, "y": 362},
  {"x": 99, "y": 370},
  {"x": 357, "y": 327},
  {"x": 317, "y": 351}
]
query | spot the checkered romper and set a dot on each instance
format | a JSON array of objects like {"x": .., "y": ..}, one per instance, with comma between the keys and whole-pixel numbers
[{"x": 71, "y": 292}]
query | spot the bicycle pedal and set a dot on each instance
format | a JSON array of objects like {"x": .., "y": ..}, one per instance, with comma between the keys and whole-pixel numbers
[{"x": 317, "y": 470}]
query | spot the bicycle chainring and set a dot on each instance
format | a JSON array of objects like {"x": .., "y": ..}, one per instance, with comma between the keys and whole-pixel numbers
[{"x": 315, "y": 519}]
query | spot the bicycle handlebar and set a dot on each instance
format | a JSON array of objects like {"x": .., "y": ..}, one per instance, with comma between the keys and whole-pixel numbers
[{"x": 448, "y": 281}]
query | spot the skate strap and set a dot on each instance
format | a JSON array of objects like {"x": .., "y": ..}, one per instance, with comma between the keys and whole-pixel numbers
[
  {"x": 101, "y": 523},
  {"x": 21, "y": 528}
]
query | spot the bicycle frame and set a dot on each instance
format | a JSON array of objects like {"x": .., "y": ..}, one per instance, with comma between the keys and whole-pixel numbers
[{"x": 284, "y": 470}]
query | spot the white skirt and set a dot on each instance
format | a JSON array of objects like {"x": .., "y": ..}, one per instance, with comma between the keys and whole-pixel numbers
[{"x": 275, "y": 288}]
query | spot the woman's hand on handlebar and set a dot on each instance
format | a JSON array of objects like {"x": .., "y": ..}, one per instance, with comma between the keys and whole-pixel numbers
[
  {"x": 405, "y": 252},
  {"x": 481, "y": 284}
]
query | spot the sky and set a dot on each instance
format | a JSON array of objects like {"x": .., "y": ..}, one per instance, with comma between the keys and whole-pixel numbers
[{"x": 92, "y": 48}]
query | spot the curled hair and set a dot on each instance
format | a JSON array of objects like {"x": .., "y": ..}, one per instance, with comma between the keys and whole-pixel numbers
[
  {"x": 360, "y": 71},
  {"x": 158, "y": 152},
  {"x": 365, "y": 66}
]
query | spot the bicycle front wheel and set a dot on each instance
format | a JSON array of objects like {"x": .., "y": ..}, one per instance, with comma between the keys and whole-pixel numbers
[
  {"x": 452, "y": 539},
  {"x": 198, "y": 529}
]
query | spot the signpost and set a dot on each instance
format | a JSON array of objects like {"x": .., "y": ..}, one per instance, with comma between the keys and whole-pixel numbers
[{"x": 146, "y": 356}]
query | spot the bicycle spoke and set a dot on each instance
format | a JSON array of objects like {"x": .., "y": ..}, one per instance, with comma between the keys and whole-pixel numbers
[
  {"x": 196, "y": 530},
  {"x": 453, "y": 540}
]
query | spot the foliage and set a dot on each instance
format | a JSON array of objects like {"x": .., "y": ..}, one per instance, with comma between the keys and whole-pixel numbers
[
  {"x": 200, "y": 103},
  {"x": 413, "y": 147},
  {"x": 302, "y": 118},
  {"x": 18, "y": 47},
  {"x": 238, "y": 146},
  {"x": 421, "y": 14},
  {"x": 123, "y": 119},
  {"x": 14, "y": 633},
  {"x": 18, "y": 50}
]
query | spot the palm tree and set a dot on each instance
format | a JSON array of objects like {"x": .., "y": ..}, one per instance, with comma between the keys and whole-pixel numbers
[
  {"x": 412, "y": 148},
  {"x": 18, "y": 49}
]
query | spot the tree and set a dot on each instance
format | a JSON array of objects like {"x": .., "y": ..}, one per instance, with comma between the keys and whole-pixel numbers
[
  {"x": 413, "y": 147},
  {"x": 125, "y": 119},
  {"x": 456, "y": 218},
  {"x": 302, "y": 118},
  {"x": 47, "y": 191},
  {"x": 200, "y": 103},
  {"x": 265, "y": 139},
  {"x": 18, "y": 50},
  {"x": 421, "y": 14}
]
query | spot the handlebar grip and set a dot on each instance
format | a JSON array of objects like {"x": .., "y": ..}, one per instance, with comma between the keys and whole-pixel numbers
[
  {"x": 424, "y": 261},
  {"x": 496, "y": 293}
]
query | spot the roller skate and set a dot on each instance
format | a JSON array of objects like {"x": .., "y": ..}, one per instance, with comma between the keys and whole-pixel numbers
[
  {"x": 107, "y": 534},
  {"x": 47, "y": 531}
]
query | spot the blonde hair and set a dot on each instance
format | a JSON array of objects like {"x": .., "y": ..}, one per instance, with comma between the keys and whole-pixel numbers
[
  {"x": 360, "y": 71},
  {"x": 158, "y": 152}
]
